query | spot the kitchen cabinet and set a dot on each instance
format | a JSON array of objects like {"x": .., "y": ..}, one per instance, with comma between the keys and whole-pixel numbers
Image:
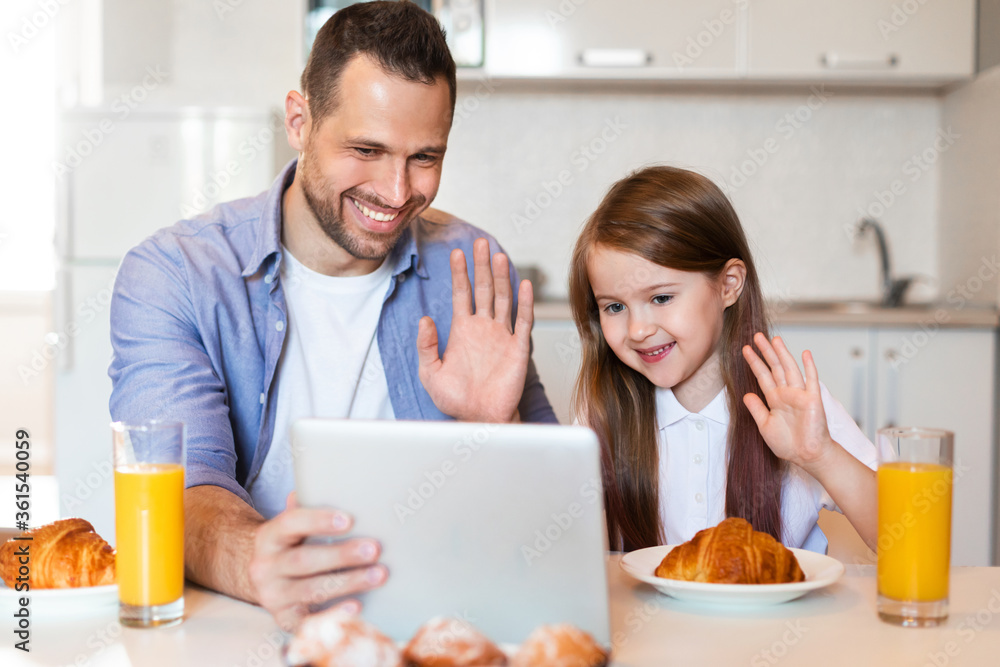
[
  {"x": 123, "y": 178},
  {"x": 921, "y": 376},
  {"x": 125, "y": 52},
  {"x": 902, "y": 42},
  {"x": 556, "y": 354},
  {"x": 180, "y": 162},
  {"x": 861, "y": 40},
  {"x": 622, "y": 39},
  {"x": 842, "y": 357}
]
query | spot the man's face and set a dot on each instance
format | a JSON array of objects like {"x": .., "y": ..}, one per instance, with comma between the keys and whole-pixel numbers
[{"x": 374, "y": 163}]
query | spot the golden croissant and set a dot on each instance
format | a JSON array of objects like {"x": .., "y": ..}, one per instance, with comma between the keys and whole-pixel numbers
[
  {"x": 731, "y": 553},
  {"x": 63, "y": 554}
]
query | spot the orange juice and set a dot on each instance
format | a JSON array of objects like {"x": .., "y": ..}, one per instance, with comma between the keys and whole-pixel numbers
[
  {"x": 149, "y": 522},
  {"x": 914, "y": 530}
]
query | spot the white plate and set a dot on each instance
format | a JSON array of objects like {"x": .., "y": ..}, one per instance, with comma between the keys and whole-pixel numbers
[
  {"x": 60, "y": 602},
  {"x": 820, "y": 571}
]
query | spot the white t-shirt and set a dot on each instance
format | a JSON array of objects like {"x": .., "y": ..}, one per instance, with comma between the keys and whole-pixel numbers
[
  {"x": 693, "y": 466},
  {"x": 330, "y": 365}
]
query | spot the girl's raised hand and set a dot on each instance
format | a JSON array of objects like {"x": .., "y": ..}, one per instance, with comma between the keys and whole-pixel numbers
[{"x": 793, "y": 422}]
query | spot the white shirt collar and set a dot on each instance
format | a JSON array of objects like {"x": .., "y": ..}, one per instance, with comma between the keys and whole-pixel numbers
[{"x": 670, "y": 411}]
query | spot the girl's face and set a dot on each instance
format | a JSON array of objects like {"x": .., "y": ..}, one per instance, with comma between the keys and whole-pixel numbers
[{"x": 664, "y": 323}]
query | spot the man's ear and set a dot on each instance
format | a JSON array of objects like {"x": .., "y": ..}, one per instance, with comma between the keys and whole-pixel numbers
[
  {"x": 297, "y": 120},
  {"x": 734, "y": 276}
]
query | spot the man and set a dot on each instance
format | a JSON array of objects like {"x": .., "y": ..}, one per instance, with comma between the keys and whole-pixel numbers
[{"x": 319, "y": 298}]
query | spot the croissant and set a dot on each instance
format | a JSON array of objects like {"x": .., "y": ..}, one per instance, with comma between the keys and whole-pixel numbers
[
  {"x": 731, "y": 553},
  {"x": 63, "y": 554}
]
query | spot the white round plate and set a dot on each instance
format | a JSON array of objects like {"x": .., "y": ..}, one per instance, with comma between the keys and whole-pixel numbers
[
  {"x": 59, "y": 602},
  {"x": 820, "y": 571}
]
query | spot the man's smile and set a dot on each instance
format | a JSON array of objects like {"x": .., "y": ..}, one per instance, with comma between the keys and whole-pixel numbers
[
  {"x": 375, "y": 213},
  {"x": 373, "y": 218}
]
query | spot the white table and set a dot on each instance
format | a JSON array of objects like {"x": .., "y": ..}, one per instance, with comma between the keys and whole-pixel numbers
[{"x": 837, "y": 626}]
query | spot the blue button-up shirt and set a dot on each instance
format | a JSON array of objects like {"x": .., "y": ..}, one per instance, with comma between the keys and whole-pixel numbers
[{"x": 198, "y": 321}]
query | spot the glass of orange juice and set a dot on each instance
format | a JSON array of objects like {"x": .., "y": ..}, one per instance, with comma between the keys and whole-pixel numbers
[
  {"x": 149, "y": 522},
  {"x": 914, "y": 525}
]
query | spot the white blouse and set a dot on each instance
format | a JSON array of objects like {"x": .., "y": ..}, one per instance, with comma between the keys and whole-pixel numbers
[{"x": 693, "y": 471}]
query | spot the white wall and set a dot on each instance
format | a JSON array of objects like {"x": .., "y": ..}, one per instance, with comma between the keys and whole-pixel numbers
[
  {"x": 510, "y": 139},
  {"x": 236, "y": 52},
  {"x": 27, "y": 62},
  {"x": 820, "y": 173},
  {"x": 220, "y": 53}
]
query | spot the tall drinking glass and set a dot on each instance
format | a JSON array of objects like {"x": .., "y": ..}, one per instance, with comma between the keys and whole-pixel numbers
[
  {"x": 149, "y": 522},
  {"x": 914, "y": 525}
]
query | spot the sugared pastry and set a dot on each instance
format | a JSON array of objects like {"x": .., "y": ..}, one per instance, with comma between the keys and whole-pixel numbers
[
  {"x": 560, "y": 646},
  {"x": 731, "y": 553},
  {"x": 335, "y": 638},
  {"x": 450, "y": 642},
  {"x": 64, "y": 554}
]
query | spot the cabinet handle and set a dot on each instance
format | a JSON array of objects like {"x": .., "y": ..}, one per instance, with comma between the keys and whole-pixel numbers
[
  {"x": 833, "y": 60},
  {"x": 615, "y": 58},
  {"x": 891, "y": 389},
  {"x": 858, "y": 387}
]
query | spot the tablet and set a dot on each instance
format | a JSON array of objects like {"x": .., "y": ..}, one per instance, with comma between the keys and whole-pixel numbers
[{"x": 500, "y": 525}]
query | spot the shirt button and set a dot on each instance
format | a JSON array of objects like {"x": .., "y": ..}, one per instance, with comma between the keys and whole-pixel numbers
[
  {"x": 698, "y": 497},
  {"x": 697, "y": 458},
  {"x": 268, "y": 279},
  {"x": 700, "y": 426},
  {"x": 279, "y": 325},
  {"x": 262, "y": 399},
  {"x": 401, "y": 277}
]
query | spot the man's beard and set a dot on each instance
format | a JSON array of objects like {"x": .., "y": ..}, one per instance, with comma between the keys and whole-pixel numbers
[{"x": 359, "y": 243}]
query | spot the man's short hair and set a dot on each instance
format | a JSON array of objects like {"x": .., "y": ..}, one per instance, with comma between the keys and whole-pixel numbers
[{"x": 403, "y": 39}]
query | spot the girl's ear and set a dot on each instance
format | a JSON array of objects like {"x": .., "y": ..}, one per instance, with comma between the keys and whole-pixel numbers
[{"x": 734, "y": 276}]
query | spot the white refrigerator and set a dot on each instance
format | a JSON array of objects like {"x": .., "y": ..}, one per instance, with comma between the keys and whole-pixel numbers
[{"x": 122, "y": 174}]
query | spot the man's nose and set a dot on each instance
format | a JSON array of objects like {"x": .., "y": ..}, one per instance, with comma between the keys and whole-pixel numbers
[{"x": 394, "y": 184}]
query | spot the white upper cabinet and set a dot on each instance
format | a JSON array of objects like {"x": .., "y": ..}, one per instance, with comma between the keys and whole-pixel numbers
[
  {"x": 862, "y": 40},
  {"x": 615, "y": 38},
  {"x": 903, "y": 42}
]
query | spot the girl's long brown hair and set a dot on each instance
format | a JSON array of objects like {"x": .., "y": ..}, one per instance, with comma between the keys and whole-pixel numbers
[{"x": 681, "y": 220}]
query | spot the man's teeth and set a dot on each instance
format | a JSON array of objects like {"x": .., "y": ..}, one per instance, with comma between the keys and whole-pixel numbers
[{"x": 374, "y": 215}]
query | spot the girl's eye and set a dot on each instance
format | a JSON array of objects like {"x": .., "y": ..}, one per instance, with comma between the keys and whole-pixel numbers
[
  {"x": 661, "y": 299},
  {"x": 614, "y": 308}
]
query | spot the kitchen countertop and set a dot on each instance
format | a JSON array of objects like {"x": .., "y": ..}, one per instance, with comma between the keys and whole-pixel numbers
[
  {"x": 834, "y": 626},
  {"x": 842, "y": 313}
]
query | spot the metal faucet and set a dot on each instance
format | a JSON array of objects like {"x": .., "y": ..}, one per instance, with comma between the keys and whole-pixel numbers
[{"x": 893, "y": 289}]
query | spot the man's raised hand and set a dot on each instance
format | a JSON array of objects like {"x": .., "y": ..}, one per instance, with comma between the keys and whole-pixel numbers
[{"x": 481, "y": 375}]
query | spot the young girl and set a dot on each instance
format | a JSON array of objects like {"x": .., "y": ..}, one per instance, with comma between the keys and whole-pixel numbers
[{"x": 694, "y": 425}]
